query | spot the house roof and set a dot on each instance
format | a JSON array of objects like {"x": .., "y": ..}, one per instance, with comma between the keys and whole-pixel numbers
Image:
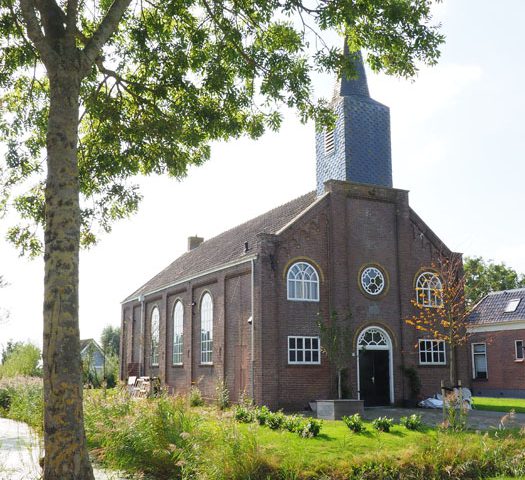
[
  {"x": 491, "y": 309},
  {"x": 89, "y": 341},
  {"x": 226, "y": 247}
]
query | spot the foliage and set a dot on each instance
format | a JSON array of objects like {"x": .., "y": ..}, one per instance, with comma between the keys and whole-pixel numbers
[
  {"x": 482, "y": 277},
  {"x": 111, "y": 370},
  {"x": 110, "y": 340},
  {"x": 456, "y": 412},
  {"x": 292, "y": 423},
  {"x": 21, "y": 359},
  {"x": 244, "y": 414},
  {"x": 222, "y": 395},
  {"x": 412, "y": 422},
  {"x": 195, "y": 399},
  {"x": 310, "y": 428},
  {"x": 354, "y": 422},
  {"x": 414, "y": 382},
  {"x": 383, "y": 424},
  {"x": 90, "y": 376},
  {"x": 449, "y": 320},
  {"x": 336, "y": 335},
  {"x": 262, "y": 414},
  {"x": 275, "y": 420},
  {"x": 21, "y": 398}
]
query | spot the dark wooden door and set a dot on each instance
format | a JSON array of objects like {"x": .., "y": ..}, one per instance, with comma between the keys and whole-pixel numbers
[{"x": 374, "y": 377}]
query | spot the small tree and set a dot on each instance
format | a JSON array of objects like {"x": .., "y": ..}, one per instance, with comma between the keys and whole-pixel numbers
[
  {"x": 336, "y": 338},
  {"x": 446, "y": 319}
]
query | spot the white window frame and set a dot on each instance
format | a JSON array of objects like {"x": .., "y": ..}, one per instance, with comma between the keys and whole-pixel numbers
[
  {"x": 178, "y": 333},
  {"x": 433, "y": 349},
  {"x": 303, "y": 349},
  {"x": 426, "y": 295},
  {"x": 206, "y": 314},
  {"x": 155, "y": 336},
  {"x": 474, "y": 377},
  {"x": 512, "y": 305},
  {"x": 516, "y": 350},
  {"x": 296, "y": 277}
]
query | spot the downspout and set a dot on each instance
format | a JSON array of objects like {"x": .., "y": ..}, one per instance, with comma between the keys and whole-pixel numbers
[
  {"x": 142, "y": 336},
  {"x": 252, "y": 328}
]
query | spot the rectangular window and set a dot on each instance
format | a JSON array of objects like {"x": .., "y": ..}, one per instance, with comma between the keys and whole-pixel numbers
[
  {"x": 519, "y": 349},
  {"x": 512, "y": 305},
  {"x": 206, "y": 346},
  {"x": 479, "y": 360},
  {"x": 304, "y": 350},
  {"x": 177, "y": 349},
  {"x": 432, "y": 352}
]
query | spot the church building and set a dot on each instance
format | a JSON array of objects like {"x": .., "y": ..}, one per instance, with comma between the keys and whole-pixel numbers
[{"x": 243, "y": 307}]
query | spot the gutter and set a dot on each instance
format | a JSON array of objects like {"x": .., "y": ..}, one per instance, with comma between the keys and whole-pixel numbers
[
  {"x": 233, "y": 263},
  {"x": 252, "y": 331}
]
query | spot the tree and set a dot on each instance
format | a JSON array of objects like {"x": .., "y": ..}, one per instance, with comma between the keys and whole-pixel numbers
[
  {"x": 336, "y": 336},
  {"x": 21, "y": 359},
  {"x": 444, "y": 317},
  {"x": 110, "y": 340},
  {"x": 482, "y": 277},
  {"x": 97, "y": 92}
]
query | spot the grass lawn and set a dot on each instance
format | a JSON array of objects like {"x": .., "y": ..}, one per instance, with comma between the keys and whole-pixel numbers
[{"x": 499, "y": 404}]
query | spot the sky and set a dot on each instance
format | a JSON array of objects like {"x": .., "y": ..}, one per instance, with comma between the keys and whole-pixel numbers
[{"x": 458, "y": 143}]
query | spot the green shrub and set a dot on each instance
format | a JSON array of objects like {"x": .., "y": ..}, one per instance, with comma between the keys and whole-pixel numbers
[
  {"x": 354, "y": 423},
  {"x": 196, "y": 397},
  {"x": 244, "y": 414},
  {"x": 292, "y": 423},
  {"x": 223, "y": 395},
  {"x": 383, "y": 424},
  {"x": 262, "y": 414},
  {"x": 22, "y": 360},
  {"x": 310, "y": 428},
  {"x": 24, "y": 399},
  {"x": 275, "y": 420},
  {"x": 413, "y": 422}
]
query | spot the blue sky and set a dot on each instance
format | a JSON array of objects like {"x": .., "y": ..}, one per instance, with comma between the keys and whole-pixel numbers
[{"x": 458, "y": 140}]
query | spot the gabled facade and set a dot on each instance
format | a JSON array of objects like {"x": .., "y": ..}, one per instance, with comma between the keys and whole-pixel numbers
[
  {"x": 243, "y": 307},
  {"x": 496, "y": 344}
]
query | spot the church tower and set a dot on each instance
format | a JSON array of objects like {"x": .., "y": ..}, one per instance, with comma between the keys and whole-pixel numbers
[{"x": 358, "y": 149}]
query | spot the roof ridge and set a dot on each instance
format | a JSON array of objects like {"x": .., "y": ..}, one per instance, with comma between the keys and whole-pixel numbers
[{"x": 512, "y": 290}]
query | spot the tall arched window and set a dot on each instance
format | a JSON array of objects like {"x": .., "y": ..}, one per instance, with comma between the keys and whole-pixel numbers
[
  {"x": 206, "y": 328},
  {"x": 303, "y": 282},
  {"x": 429, "y": 290},
  {"x": 178, "y": 324},
  {"x": 155, "y": 336}
]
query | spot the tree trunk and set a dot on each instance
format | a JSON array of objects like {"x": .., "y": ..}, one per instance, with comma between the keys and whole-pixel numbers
[
  {"x": 452, "y": 366},
  {"x": 66, "y": 454},
  {"x": 339, "y": 388}
]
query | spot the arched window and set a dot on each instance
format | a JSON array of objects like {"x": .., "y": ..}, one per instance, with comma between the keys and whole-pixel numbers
[
  {"x": 178, "y": 324},
  {"x": 155, "y": 336},
  {"x": 303, "y": 282},
  {"x": 429, "y": 290},
  {"x": 206, "y": 328}
]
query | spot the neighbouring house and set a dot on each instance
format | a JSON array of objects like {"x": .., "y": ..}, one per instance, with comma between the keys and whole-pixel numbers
[
  {"x": 243, "y": 307},
  {"x": 497, "y": 342},
  {"x": 92, "y": 356}
]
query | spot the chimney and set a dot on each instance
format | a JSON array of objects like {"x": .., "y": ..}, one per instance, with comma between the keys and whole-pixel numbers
[{"x": 194, "y": 242}]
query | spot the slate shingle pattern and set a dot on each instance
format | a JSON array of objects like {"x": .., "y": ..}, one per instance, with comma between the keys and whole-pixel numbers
[
  {"x": 226, "y": 247},
  {"x": 491, "y": 309}
]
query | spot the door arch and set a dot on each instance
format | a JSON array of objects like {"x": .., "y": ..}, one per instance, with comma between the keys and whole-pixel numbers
[{"x": 375, "y": 372}]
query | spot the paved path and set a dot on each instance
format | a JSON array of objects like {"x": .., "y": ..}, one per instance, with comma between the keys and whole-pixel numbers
[
  {"x": 20, "y": 451},
  {"x": 476, "y": 419}
]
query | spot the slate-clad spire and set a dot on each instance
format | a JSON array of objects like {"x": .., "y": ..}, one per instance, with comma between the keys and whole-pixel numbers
[
  {"x": 358, "y": 149},
  {"x": 353, "y": 86}
]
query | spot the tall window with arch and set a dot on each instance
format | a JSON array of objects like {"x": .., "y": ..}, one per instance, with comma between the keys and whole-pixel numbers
[
  {"x": 429, "y": 290},
  {"x": 155, "y": 336},
  {"x": 206, "y": 329},
  {"x": 178, "y": 326},
  {"x": 303, "y": 282}
]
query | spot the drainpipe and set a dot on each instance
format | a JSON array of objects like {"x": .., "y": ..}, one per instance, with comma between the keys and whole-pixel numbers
[
  {"x": 142, "y": 333},
  {"x": 252, "y": 328}
]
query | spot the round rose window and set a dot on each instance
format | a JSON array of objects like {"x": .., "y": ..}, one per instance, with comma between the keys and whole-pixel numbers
[{"x": 372, "y": 280}]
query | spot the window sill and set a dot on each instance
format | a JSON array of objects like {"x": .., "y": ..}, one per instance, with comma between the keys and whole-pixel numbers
[
  {"x": 177, "y": 365},
  {"x": 303, "y": 364},
  {"x": 206, "y": 364},
  {"x": 518, "y": 360},
  {"x": 432, "y": 365},
  {"x": 302, "y": 300}
]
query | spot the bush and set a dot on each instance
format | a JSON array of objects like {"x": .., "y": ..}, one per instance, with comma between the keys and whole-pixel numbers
[
  {"x": 23, "y": 400},
  {"x": 262, "y": 414},
  {"x": 21, "y": 360},
  {"x": 311, "y": 428},
  {"x": 413, "y": 422},
  {"x": 196, "y": 397},
  {"x": 354, "y": 423},
  {"x": 275, "y": 420},
  {"x": 292, "y": 423},
  {"x": 244, "y": 414},
  {"x": 223, "y": 395},
  {"x": 383, "y": 424}
]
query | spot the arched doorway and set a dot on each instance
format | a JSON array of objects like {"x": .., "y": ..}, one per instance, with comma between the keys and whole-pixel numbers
[{"x": 375, "y": 379}]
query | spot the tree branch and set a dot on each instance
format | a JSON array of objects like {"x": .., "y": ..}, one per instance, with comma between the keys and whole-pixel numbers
[
  {"x": 34, "y": 32},
  {"x": 71, "y": 19},
  {"x": 107, "y": 27}
]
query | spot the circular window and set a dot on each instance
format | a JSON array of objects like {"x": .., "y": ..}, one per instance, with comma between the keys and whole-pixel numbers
[{"x": 372, "y": 280}]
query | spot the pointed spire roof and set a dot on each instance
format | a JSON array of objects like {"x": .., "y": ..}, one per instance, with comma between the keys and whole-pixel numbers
[{"x": 353, "y": 86}]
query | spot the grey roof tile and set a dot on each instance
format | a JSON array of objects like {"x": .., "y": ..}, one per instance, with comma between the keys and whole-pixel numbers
[
  {"x": 491, "y": 309},
  {"x": 226, "y": 247}
]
